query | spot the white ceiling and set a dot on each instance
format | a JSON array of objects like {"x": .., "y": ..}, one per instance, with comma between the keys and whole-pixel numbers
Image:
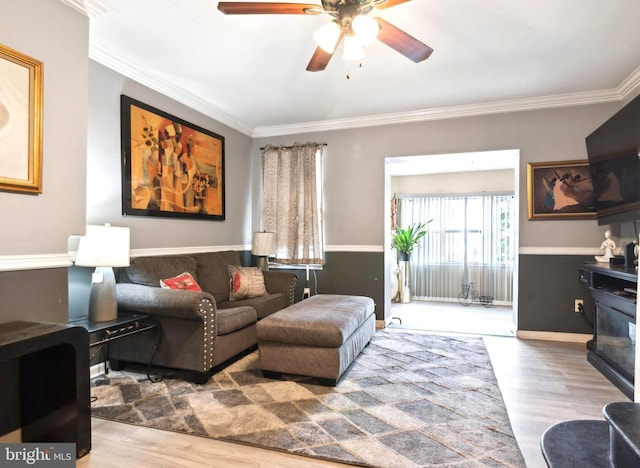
[{"x": 248, "y": 71}]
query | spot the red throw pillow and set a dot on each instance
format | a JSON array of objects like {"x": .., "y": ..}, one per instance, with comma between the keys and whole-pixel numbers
[
  {"x": 184, "y": 281},
  {"x": 245, "y": 282}
]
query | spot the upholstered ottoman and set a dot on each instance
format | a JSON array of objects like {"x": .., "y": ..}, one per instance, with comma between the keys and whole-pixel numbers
[{"x": 318, "y": 337}]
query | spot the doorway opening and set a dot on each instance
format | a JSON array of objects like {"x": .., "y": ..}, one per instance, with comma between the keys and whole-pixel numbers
[{"x": 462, "y": 179}]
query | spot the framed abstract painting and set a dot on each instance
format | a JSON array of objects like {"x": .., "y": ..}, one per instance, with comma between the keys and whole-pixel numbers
[{"x": 170, "y": 167}]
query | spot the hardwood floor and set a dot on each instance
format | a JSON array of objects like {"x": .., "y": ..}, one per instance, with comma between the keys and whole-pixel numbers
[{"x": 542, "y": 382}]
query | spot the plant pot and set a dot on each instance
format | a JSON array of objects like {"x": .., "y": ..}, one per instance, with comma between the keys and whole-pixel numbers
[
  {"x": 405, "y": 292},
  {"x": 403, "y": 256},
  {"x": 406, "y": 295},
  {"x": 395, "y": 284}
]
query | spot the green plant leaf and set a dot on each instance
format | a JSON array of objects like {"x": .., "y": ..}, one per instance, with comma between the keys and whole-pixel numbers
[{"x": 405, "y": 240}]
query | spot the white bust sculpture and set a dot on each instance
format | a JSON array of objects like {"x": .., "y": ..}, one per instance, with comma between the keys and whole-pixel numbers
[{"x": 607, "y": 245}]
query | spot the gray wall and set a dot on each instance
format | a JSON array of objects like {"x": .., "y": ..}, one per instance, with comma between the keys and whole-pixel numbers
[
  {"x": 39, "y": 225},
  {"x": 354, "y": 176},
  {"x": 104, "y": 190},
  {"x": 548, "y": 287}
]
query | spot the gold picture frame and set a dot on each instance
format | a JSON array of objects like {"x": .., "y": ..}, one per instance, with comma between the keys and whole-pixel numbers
[
  {"x": 560, "y": 190},
  {"x": 21, "y": 114}
]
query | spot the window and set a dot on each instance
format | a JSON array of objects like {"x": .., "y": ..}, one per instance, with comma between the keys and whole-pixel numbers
[
  {"x": 471, "y": 239},
  {"x": 292, "y": 202}
]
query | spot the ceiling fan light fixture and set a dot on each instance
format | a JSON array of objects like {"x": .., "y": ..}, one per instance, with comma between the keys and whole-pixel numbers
[
  {"x": 365, "y": 28},
  {"x": 352, "y": 50},
  {"x": 327, "y": 37}
]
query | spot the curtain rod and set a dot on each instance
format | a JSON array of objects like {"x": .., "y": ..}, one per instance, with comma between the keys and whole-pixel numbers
[{"x": 292, "y": 146}]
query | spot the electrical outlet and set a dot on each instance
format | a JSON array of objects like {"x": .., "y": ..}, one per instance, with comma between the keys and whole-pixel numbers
[{"x": 577, "y": 305}]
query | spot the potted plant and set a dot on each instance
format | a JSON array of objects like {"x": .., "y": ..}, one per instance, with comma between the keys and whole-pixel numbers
[{"x": 404, "y": 240}]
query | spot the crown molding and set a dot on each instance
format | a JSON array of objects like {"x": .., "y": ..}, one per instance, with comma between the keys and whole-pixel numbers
[
  {"x": 441, "y": 113},
  {"x": 130, "y": 70},
  {"x": 109, "y": 60},
  {"x": 166, "y": 87},
  {"x": 89, "y": 8},
  {"x": 630, "y": 85}
]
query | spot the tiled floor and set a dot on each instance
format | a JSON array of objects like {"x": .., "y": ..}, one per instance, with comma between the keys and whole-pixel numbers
[{"x": 453, "y": 317}]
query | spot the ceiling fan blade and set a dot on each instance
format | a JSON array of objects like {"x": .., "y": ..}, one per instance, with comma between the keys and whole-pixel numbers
[
  {"x": 402, "y": 42},
  {"x": 390, "y": 3},
  {"x": 269, "y": 8},
  {"x": 320, "y": 58}
]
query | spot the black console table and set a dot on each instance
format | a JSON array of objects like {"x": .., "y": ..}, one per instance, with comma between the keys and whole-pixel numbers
[
  {"x": 125, "y": 324},
  {"x": 44, "y": 394},
  {"x": 612, "y": 349}
]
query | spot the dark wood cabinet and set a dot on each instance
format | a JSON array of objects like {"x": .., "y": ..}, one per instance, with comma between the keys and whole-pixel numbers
[{"x": 612, "y": 349}]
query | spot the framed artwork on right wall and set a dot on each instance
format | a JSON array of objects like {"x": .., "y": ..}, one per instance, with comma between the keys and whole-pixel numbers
[{"x": 560, "y": 190}]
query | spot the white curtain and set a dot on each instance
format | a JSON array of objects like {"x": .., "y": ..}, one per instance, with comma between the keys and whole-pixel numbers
[
  {"x": 471, "y": 239},
  {"x": 292, "y": 202}
]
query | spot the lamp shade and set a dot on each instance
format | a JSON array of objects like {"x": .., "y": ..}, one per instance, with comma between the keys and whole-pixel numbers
[
  {"x": 104, "y": 246},
  {"x": 264, "y": 244}
]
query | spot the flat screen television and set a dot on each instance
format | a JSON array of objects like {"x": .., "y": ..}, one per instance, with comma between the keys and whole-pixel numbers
[{"x": 614, "y": 160}]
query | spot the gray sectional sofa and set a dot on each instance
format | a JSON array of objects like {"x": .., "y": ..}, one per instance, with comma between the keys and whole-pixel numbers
[{"x": 199, "y": 330}]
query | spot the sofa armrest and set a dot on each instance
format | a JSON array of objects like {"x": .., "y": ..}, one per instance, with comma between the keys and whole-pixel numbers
[
  {"x": 188, "y": 305},
  {"x": 284, "y": 282}
]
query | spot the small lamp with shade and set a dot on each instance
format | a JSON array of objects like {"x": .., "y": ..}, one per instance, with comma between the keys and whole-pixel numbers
[
  {"x": 103, "y": 247},
  {"x": 264, "y": 246}
]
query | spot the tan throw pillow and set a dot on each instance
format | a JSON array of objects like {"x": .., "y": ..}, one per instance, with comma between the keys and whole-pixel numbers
[
  {"x": 245, "y": 282},
  {"x": 184, "y": 281}
]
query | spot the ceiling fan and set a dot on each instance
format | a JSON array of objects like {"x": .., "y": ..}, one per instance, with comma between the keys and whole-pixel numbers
[{"x": 351, "y": 22}]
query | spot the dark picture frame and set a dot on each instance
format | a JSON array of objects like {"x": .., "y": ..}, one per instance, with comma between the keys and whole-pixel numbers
[
  {"x": 21, "y": 117},
  {"x": 170, "y": 167},
  {"x": 560, "y": 190}
]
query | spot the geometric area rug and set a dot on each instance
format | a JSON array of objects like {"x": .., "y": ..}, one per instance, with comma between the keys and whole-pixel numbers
[{"x": 408, "y": 400}]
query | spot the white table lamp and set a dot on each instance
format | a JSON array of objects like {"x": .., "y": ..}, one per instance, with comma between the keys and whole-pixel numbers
[
  {"x": 103, "y": 247},
  {"x": 263, "y": 247}
]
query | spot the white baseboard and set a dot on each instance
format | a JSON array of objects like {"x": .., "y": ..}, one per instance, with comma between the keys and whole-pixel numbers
[{"x": 553, "y": 336}]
